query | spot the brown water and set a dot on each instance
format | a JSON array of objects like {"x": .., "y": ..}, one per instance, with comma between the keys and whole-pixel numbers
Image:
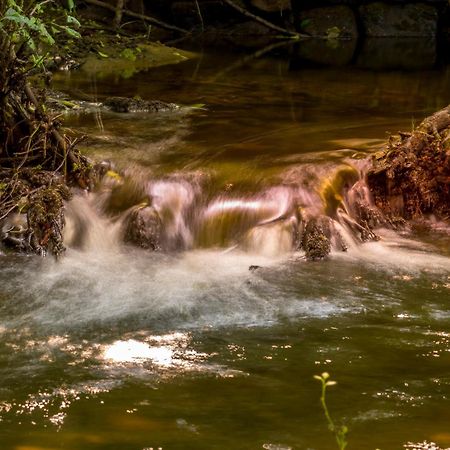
[{"x": 115, "y": 348}]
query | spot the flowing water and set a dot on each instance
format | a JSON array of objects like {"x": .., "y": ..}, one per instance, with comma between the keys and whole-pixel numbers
[{"x": 119, "y": 348}]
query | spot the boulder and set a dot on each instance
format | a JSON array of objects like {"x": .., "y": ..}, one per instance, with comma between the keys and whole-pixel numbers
[
  {"x": 144, "y": 228},
  {"x": 410, "y": 20},
  {"x": 332, "y": 21},
  {"x": 272, "y": 6}
]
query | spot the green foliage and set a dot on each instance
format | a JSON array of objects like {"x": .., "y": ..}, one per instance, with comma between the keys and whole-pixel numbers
[
  {"x": 340, "y": 433},
  {"x": 29, "y": 25}
]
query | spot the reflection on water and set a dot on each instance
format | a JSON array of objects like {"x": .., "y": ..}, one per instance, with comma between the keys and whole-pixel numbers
[
  {"x": 116, "y": 348},
  {"x": 262, "y": 112},
  {"x": 133, "y": 351}
]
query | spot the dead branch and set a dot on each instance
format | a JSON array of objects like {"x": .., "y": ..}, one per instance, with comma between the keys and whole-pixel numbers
[
  {"x": 262, "y": 21},
  {"x": 144, "y": 17}
]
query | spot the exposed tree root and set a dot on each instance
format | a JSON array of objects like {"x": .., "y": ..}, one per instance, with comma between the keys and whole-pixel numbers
[
  {"x": 410, "y": 179},
  {"x": 37, "y": 162}
]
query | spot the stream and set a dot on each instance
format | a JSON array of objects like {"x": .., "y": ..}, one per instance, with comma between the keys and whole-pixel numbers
[{"x": 119, "y": 348}]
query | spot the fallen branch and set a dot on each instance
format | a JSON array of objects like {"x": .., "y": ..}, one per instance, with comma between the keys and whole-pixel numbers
[
  {"x": 144, "y": 17},
  {"x": 262, "y": 21}
]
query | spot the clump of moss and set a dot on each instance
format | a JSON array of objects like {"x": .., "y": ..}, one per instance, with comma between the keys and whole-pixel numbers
[
  {"x": 316, "y": 242},
  {"x": 45, "y": 215},
  {"x": 410, "y": 179}
]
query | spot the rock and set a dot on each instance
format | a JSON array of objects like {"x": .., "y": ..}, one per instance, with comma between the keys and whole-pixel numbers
[
  {"x": 334, "y": 21},
  {"x": 272, "y": 6},
  {"x": 253, "y": 268},
  {"x": 144, "y": 228},
  {"x": 410, "y": 179},
  {"x": 315, "y": 241},
  {"x": 410, "y": 20},
  {"x": 133, "y": 105}
]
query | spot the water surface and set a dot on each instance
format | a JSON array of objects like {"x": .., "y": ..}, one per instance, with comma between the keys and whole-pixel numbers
[{"x": 116, "y": 348}]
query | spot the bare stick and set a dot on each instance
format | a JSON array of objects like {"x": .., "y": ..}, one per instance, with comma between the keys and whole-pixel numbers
[
  {"x": 262, "y": 21},
  {"x": 129, "y": 13},
  {"x": 119, "y": 12},
  {"x": 200, "y": 15}
]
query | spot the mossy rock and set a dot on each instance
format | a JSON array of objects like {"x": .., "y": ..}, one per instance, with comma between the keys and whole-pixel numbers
[{"x": 110, "y": 62}]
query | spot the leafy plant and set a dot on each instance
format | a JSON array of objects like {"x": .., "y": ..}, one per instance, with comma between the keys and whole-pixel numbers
[
  {"x": 28, "y": 24},
  {"x": 340, "y": 432}
]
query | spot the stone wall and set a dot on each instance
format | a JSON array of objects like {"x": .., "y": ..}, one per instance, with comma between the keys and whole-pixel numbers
[{"x": 321, "y": 18}]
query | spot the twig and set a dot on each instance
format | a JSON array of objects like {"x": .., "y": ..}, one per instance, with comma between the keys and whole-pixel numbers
[
  {"x": 262, "y": 21},
  {"x": 246, "y": 59},
  {"x": 9, "y": 211},
  {"x": 200, "y": 15},
  {"x": 129, "y": 13}
]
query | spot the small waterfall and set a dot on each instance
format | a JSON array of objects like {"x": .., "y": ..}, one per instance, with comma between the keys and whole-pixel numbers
[
  {"x": 87, "y": 228},
  {"x": 189, "y": 211}
]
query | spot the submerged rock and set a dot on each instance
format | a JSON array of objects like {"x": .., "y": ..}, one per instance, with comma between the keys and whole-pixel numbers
[
  {"x": 144, "y": 228},
  {"x": 133, "y": 105},
  {"x": 389, "y": 20}
]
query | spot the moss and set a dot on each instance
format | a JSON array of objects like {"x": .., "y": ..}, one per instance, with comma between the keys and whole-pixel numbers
[
  {"x": 316, "y": 242},
  {"x": 46, "y": 219},
  {"x": 128, "y": 61}
]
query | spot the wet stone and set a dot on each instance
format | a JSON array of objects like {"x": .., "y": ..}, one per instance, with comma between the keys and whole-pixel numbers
[
  {"x": 144, "y": 228},
  {"x": 410, "y": 20},
  {"x": 316, "y": 242},
  {"x": 134, "y": 105},
  {"x": 339, "y": 21}
]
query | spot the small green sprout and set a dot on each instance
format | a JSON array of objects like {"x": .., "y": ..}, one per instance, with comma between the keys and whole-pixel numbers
[{"x": 340, "y": 433}]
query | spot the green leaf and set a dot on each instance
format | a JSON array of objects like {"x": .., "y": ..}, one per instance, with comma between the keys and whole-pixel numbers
[
  {"x": 71, "y": 32},
  {"x": 103, "y": 55},
  {"x": 199, "y": 106},
  {"x": 71, "y": 19}
]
